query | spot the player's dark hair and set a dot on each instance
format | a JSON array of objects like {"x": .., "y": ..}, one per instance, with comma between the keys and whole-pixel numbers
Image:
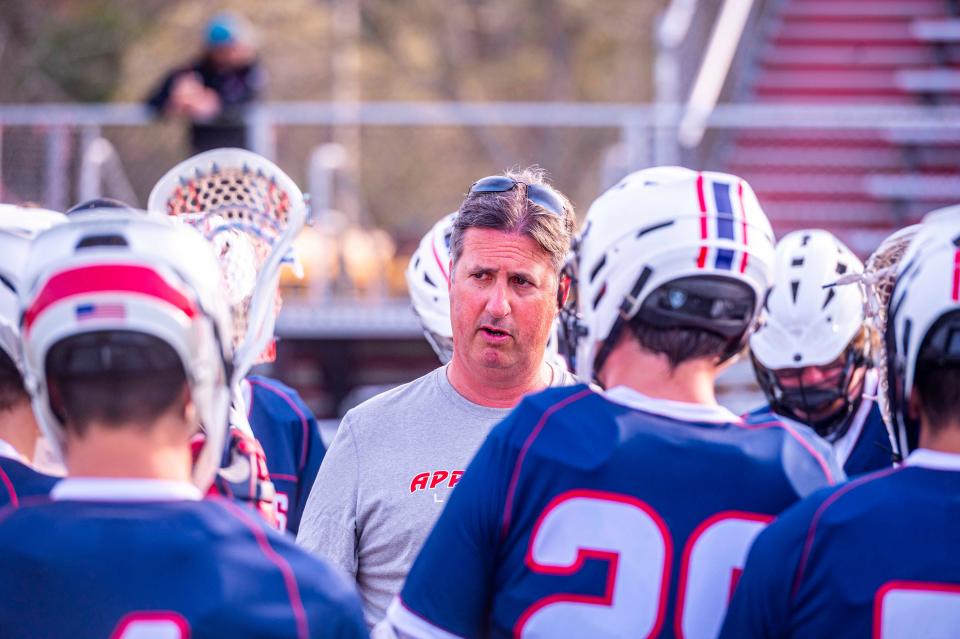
[
  {"x": 114, "y": 378},
  {"x": 678, "y": 345},
  {"x": 12, "y": 391}
]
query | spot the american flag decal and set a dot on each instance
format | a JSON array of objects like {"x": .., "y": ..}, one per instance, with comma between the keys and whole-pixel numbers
[{"x": 100, "y": 311}]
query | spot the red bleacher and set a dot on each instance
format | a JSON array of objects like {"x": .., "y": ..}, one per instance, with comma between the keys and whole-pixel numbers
[{"x": 860, "y": 184}]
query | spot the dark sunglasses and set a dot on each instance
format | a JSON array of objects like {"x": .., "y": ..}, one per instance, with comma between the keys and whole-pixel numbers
[{"x": 541, "y": 195}]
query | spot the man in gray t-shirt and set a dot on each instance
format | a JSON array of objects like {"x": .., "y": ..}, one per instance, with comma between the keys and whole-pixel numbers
[{"x": 396, "y": 457}]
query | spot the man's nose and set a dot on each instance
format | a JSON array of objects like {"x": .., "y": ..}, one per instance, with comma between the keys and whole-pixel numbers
[{"x": 498, "y": 302}]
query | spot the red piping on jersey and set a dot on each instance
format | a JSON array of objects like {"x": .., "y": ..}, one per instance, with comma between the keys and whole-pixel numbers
[
  {"x": 743, "y": 219},
  {"x": 285, "y": 477},
  {"x": 702, "y": 258},
  {"x": 289, "y": 580},
  {"x": 508, "y": 504},
  {"x": 829, "y": 501},
  {"x": 443, "y": 269},
  {"x": 303, "y": 420},
  {"x": 956, "y": 276},
  {"x": 14, "y": 501},
  {"x": 810, "y": 449},
  {"x": 108, "y": 278}
]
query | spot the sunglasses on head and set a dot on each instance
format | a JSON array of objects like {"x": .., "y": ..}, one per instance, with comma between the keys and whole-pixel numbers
[{"x": 539, "y": 194}]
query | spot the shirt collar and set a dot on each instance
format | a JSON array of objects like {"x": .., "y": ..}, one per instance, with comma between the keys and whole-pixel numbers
[
  {"x": 682, "y": 411},
  {"x": 7, "y": 450},
  {"x": 933, "y": 459},
  {"x": 123, "y": 490}
]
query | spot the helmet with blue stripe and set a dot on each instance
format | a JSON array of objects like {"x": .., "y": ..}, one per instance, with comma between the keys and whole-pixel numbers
[{"x": 675, "y": 248}]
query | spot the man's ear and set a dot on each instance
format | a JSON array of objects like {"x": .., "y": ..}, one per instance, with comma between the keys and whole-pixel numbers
[{"x": 563, "y": 290}]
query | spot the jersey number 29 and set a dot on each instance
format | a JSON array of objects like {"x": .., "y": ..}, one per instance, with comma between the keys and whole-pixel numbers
[{"x": 634, "y": 541}]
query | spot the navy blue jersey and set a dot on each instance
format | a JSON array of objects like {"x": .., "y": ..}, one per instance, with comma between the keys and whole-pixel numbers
[
  {"x": 876, "y": 557},
  {"x": 582, "y": 516},
  {"x": 18, "y": 480},
  {"x": 865, "y": 446},
  {"x": 168, "y": 568},
  {"x": 290, "y": 437}
]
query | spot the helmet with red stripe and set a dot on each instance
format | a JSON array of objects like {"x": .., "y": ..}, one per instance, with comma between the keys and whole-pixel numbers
[
  {"x": 428, "y": 279},
  {"x": 676, "y": 248},
  {"x": 125, "y": 282},
  {"x": 923, "y": 319}
]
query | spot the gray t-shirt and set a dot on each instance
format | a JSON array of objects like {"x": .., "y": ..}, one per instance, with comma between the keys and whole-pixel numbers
[{"x": 383, "y": 482}]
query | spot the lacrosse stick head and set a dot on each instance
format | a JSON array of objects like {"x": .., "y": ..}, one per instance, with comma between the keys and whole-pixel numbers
[
  {"x": 879, "y": 278},
  {"x": 250, "y": 211}
]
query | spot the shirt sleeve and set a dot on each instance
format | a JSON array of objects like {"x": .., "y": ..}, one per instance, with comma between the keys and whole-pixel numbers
[
  {"x": 762, "y": 603},
  {"x": 447, "y": 597},
  {"x": 328, "y": 528}
]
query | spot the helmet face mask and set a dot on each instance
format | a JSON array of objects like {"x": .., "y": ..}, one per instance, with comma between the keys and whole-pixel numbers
[
  {"x": 823, "y": 396},
  {"x": 675, "y": 248}
]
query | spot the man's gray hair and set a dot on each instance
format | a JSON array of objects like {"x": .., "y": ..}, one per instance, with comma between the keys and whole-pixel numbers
[{"x": 511, "y": 212}]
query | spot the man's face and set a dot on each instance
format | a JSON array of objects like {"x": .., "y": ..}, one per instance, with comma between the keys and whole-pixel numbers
[
  {"x": 814, "y": 378},
  {"x": 503, "y": 300}
]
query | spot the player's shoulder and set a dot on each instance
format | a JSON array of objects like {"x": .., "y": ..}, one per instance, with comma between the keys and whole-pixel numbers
[
  {"x": 552, "y": 424},
  {"x": 799, "y": 446},
  {"x": 277, "y": 395},
  {"x": 19, "y": 480}
]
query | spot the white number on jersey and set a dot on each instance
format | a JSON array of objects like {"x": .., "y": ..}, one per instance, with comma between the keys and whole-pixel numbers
[
  {"x": 152, "y": 625},
  {"x": 633, "y": 539},
  {"x": 916, "y": 610}
]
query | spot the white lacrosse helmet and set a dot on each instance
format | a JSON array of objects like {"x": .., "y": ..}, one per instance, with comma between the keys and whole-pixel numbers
[
  {"x": 18, "y": 226},
  {"x": 811, "y": 321},
  {"x": 109, "y": 270},
  {"x": 680, "y": 248},
  {"x": 923, "y": 319},
  {"x": 428, "y": 280},
  {"x": 246, "y": 206}
]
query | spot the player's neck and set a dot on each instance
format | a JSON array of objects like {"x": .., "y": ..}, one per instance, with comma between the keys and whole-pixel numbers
[
  {"x": 496, "y": 388},
  {"x": 132, "y": 452},
  {"x": 18, "y": 427},
  {"x": 650, "y": 374},
  {"x": 945, "y": 439}
]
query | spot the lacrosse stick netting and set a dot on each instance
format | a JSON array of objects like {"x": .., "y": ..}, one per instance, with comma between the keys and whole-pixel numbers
[
  {"x": 879, "y": 278},
  {"x": 250, "y": 211}
]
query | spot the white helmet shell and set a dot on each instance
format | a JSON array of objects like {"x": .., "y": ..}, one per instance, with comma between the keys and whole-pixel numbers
[
  {"x": 927, "y": 288},
  {"x": 659, "y": 225},
  {"x": 808, "y": 322},
  {"x": 428, "y": 279},
  {"x": 18, "y": 227},
  {"x": 112, "y": 270}
]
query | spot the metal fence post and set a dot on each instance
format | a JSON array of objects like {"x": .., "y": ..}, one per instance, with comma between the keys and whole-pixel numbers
[{"x": 57, "y": 166}]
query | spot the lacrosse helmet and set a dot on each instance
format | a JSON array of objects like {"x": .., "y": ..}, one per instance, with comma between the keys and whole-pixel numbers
[
  {"x": 923, "y": 318},
  {"x": 251, "y": 211},
  {"x": 121, "y": 281},
  {"x": 676, "y": 248},
  {"x": 18, "y": 226},
  {"x": 811, "y": 322},
  {"x": 428, "y": 279}
]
